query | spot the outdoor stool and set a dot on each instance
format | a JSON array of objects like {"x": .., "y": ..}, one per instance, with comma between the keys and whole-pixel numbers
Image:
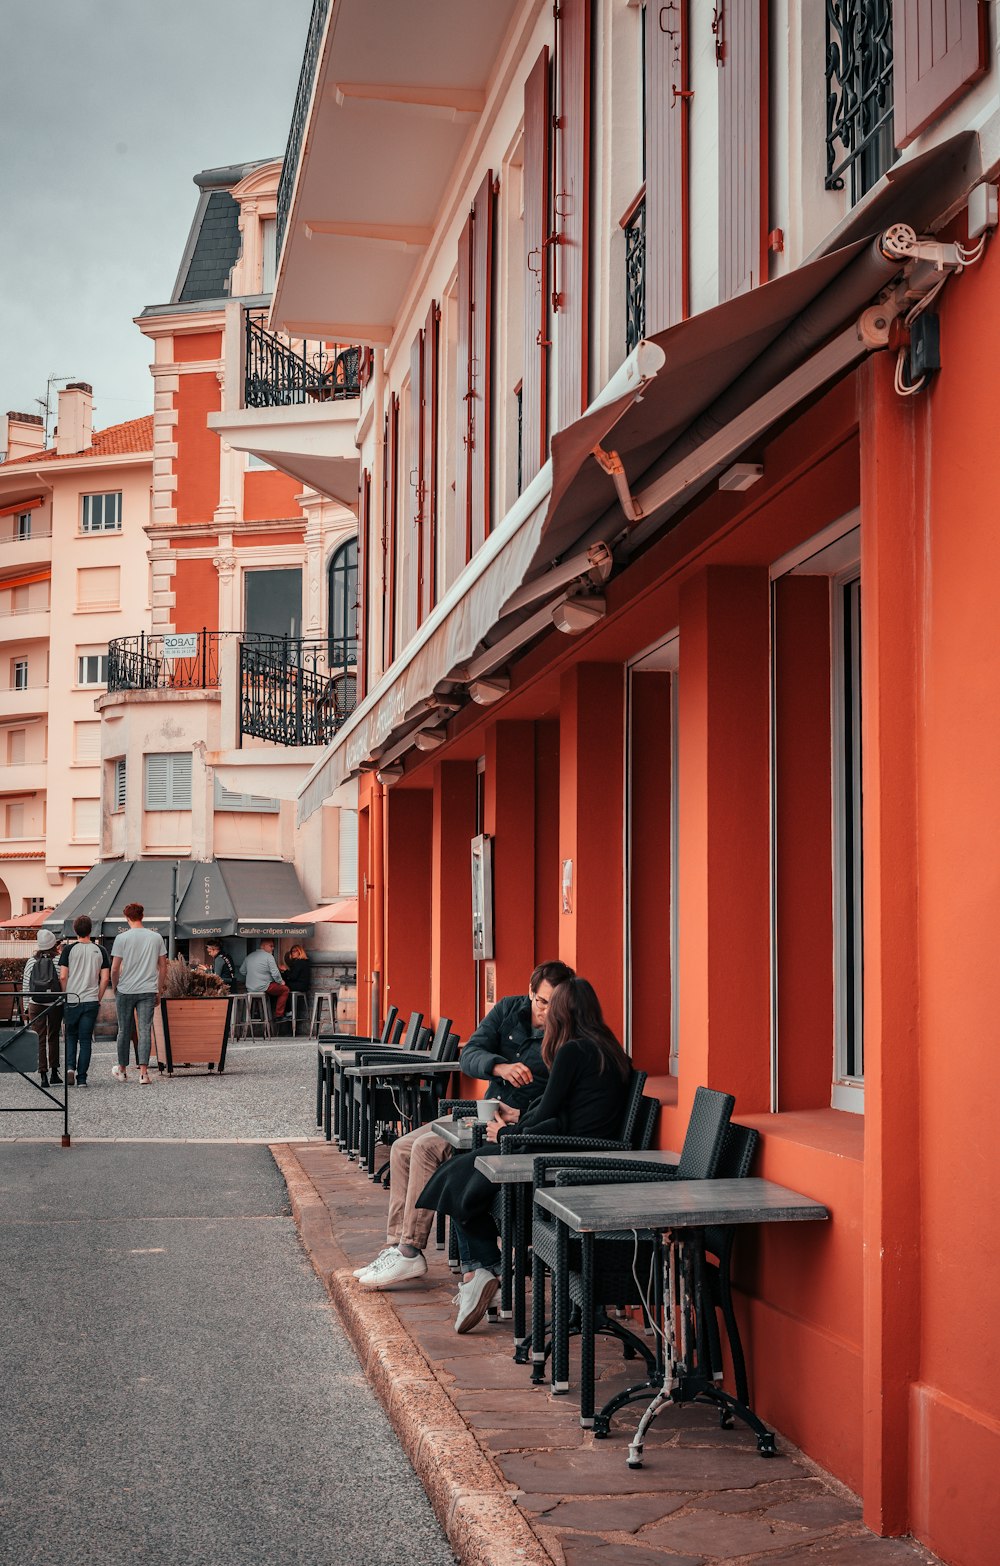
[
  {"x": 320, "y": 999},
  {"x": 261, "y": 1017},
  {"x": 295, "y": 1000}
]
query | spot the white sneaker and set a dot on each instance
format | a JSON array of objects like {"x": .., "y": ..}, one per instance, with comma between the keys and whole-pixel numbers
[
  {"x": 393, "y": 1267},
  {"x": 473, "y": 1299},
  {"x": 116, "y": 1071},
  {"x": 387, "y": 1251}
]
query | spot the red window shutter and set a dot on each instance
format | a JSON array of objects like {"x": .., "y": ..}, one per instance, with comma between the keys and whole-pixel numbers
[
  {"x": 534, "y": 397},
  {"x": 463, "y": 389},
  {"x": 393, "y": 526},
  {"x": 939, "y": 47},
  {"x": 666, "y": 164},
  {"x": 415, "y": 477},
  {"x": 385, "y": 538},
  {"x": 481, "y": 365},
  {"x": 571, "y": 202},
  {"x": 742, "y": 147},
  {"x": 364, "y": 579},
  {"x": 428, "y": 463}
]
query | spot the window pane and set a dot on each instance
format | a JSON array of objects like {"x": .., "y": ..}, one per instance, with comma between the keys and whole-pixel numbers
[{"x": 274, "y": 602}]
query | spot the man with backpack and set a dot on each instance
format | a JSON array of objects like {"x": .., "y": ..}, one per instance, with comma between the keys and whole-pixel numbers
[
  {"x": 85, "y": 971},
  {"x": 42, "y": 988}
]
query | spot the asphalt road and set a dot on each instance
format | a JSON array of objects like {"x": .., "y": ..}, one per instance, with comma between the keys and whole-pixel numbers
[{"x": 174, "y": 1386}]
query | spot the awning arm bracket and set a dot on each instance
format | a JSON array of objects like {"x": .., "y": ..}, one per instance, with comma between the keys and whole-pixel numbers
[{"x": 614, "y": 468}]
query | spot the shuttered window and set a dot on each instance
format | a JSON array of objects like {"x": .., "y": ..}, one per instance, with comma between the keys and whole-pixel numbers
[
  {"x": 475, "y": 369},
  {"x": 666, "y": 163},
  {"x": 742, "y": 56},
  {"x": 392, "y": 525},
  {"x": 86, "y": 820},
  {"x": 347, "y": 882},
  {"x": 428, "y": 461},
  {"x": 571, "y": 206},
  {"x": 225, "y": 799},
  {"x": 87, "y": 743},
  {"x": 16, "y": 739},
  {"x": 168, "y": 781},
  {"x": 120, "y": 784},
  {"x": 415, "y": 477},
  {"x": 939, "y": 48},
  {"x": 98, "y": 587},
  {"x": 537, "y": 157},
  {"x": 364, "y": 579}
]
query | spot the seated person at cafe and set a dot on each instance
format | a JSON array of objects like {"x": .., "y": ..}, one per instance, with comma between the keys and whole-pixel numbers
[
  {"x": 295, "y": 970},
  {"x": 259, "y": 972},
  {"x": 585, "y": 1094},
  {"x": 506, "y": 1052}
]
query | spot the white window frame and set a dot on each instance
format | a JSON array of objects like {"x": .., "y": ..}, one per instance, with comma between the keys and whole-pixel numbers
[
  {"x": 119, "y": 785},
  {"x": 93, "y": 517},
  {"x": 82, "y": 660},
  {"x": 176, "y": 770},
  {"x": 22, "y": 529},
  {"x": 19, "y": 666},
  {"x": 251, "y": 804}
]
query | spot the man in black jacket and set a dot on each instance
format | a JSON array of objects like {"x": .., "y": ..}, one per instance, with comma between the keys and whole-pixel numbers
[{"x": 506, "y": 1052}]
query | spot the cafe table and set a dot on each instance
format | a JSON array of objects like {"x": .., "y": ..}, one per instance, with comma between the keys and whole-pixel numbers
[
  {"x": 409, "y": 1071},
  {"x": 678, "y": 1211},
  {"x": 514, "y": 1174}
]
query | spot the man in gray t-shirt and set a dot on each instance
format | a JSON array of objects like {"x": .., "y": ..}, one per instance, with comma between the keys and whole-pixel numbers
[
  {"x": 262, "y": 976},
  {"x": 138, "y": 972}
]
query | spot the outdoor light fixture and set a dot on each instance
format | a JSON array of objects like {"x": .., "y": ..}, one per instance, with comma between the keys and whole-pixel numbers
[
  {"x": 578, "y": 614},
  {"x": 485, "y": 691},
  {"x": 742, "y": 475},
  {"x": 429, "y": 739},
  {"x": 388, "y": 775}
]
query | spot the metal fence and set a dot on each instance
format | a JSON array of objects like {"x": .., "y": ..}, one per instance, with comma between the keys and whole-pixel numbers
[
  {"x": 280, "y": 373},
  {"x": 296, "y": 130},
  {"x": 635, "y": 278}
]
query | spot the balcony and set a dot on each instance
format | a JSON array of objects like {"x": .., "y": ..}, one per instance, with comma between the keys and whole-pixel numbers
[
  {"x": 24, "y": 625},
  {"x": 288, "y": 691},
  {"x": 21, "y": 551},
  {"x": 26, "y": 702},
  {"x": 24, "y": 777},
  {"x": 294, "y": 403}
]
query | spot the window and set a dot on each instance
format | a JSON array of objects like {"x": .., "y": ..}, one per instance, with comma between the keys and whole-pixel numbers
[
  {"x": 19, "y": 674},
  {"x": 347, "y": 883},
  {"x": 22, "y": 528},
  {"x": 98, "y": 587},
  {"x": 257, "y": 464},
  {"x": 273, "y": 602},
  {"x": 168, "y": 781},
  {"x": 15, "y": 820},
  {"x": 34, "y": 905},
  {"x": 225, "y": 799},
  {"x": 848, "y": 1014},
  {"x": 268, "y": 239},
  {"x": 859, "y": 139},
  {"x": 102, "y": 513},
  {"x": 92, "y": 668},
  {"x": 87, "y": 743},
  {"x": 118, "y": 795},
  {"x": 86, "y": 820},
  {"x": 343, "y": 608},
  {"x": 20, "y": 600},
  {"x": 15, "y": 747}
]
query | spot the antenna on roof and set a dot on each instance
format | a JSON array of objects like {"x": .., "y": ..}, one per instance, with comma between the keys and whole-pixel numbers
[{"x": 46, "y": 403}]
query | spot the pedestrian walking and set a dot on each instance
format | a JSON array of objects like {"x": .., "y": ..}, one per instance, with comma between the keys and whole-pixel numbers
[
  {"x": 41, "y": 986},
  {"x": 85, "y": 972},
  {"x": 138, "y": 973}
]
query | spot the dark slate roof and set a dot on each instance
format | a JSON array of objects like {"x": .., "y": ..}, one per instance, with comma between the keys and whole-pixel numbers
[{"x": 214, "y": 241}]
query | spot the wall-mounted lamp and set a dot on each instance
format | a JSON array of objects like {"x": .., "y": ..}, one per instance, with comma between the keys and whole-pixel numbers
[
  {"x": 486, "y": 691},
  {"x": 389, "y": 775},
  {"x": 741, "y": 475},
  {"x": 578, "y": 614}
]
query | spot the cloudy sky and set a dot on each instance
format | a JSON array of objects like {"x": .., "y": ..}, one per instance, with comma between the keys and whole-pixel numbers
[{"x": 107, "y": 109}]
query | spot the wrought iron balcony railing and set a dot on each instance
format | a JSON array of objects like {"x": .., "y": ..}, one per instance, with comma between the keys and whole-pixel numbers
[
  {"x": 859, "y": 138},
  {"x": 280, "y": 373},
  {"x": 296, "y": 130},
  {"x": 293, "y": 690},
  {"x": 635, "y": 276}
]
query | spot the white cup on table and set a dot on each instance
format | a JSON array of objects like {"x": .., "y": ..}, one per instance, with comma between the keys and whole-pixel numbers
[{"x": 486, "y": 1109}]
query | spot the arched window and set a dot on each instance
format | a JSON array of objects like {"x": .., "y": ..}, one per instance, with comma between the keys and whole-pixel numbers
[{"x": 343, "y": 612}]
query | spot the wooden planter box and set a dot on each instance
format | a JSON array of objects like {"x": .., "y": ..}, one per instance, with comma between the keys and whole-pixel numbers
[{"x": 193, "y": 1031}]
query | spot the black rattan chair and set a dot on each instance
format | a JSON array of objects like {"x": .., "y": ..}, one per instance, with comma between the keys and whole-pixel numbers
[
  {"x": 325, "y": 1065},
  {"x": 353, "y": 1118}
]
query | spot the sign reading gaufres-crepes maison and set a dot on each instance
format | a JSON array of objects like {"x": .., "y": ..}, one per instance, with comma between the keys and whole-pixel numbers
[{"x": 182, "y": 644}]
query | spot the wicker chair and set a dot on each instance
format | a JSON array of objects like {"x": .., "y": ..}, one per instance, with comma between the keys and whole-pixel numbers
[
  {"x": 325, "y": 1065},
  {"x": 397, "y": 1103},
  {"x": 349, "y": 1118}
]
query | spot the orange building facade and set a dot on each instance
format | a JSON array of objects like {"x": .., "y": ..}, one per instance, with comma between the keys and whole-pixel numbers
[{"x": 711, "y": 664}]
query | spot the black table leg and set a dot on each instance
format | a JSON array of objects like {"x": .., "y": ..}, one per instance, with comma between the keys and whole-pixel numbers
[
  {"x": 537, "y": 1318},
  {"x": 587, "y": 1331},
  {"x": 521, "y": 1198},
  {"x": 560, "y": 1312},
  {"x": 506, "y": 1247}
]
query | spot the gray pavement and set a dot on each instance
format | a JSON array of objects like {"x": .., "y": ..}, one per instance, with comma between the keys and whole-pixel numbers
[
  {"x": 267, "y": 1092},
  {"x": 173, "y": 1384}
]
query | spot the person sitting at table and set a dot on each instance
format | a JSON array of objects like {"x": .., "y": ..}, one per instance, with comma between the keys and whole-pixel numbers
[
  {"x": 505, "y": 1051},
  {"x": 295, "y": 970},
  {"x": 260, "y": 974},
  {"x": 585, "y": 1095}
]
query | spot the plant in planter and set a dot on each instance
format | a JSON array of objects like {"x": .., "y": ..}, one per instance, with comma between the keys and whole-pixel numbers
[{"x": 192, "y": 1027}]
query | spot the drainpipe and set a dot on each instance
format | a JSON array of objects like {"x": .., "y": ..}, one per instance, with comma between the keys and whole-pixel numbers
[
  {"x": 172, "y": 938},
  {"x": 376, "y": 837}
]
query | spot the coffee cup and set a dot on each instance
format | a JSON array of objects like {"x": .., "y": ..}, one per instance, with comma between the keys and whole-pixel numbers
[{"x": 486, "y": 1108}]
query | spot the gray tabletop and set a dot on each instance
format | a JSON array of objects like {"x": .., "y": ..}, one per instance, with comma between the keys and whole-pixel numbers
[
  {"x": 519, "y": 1168},
  {"x": 347, "y": 1055},
  {"x": 404, "y": 1068},
  {"x": 456, "y": 1132},
  {"x": 678, "y": 1204}
]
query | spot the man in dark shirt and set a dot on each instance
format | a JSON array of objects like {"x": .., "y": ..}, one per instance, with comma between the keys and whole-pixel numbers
[{"x": 506, "y": 1052}]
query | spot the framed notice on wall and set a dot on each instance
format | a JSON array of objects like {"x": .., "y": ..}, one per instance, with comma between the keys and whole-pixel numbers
[{"x": 482, "y": 897}]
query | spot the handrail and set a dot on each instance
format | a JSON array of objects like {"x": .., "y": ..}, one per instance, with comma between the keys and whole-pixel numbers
[
  {"x": 280, "y": 373},
  {"x": 296, "y": 130}
]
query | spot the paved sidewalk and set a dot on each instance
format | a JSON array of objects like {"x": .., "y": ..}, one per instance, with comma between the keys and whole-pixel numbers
[{"x": 508, "y": 1468}]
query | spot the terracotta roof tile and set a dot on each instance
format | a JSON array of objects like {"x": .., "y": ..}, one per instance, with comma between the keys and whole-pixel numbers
[{"x": 118, "y": 440}]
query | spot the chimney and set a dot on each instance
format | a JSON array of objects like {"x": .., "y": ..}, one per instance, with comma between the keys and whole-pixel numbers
[
  {"x": 74, "y": 431},
  {"x": 25, "y": 434}
]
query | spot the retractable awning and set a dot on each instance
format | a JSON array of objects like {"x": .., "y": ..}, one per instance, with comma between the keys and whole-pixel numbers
[
  {"x": 681, "y": 409},
  {"x": 245, "y": 897}
]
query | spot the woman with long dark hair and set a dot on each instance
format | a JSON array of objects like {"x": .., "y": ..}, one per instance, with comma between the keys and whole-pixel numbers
[{"x": 585, "y": 1095}]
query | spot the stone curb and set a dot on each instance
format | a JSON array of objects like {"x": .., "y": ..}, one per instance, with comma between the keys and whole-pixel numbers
[{"x": 470, "y": 1496}]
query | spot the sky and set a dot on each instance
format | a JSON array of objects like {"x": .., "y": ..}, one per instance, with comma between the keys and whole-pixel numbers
[{"x": 108, "y": 108}]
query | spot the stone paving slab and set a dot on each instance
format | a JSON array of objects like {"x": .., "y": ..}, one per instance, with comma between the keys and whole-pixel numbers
[{"x": 510, "y": 1473}]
